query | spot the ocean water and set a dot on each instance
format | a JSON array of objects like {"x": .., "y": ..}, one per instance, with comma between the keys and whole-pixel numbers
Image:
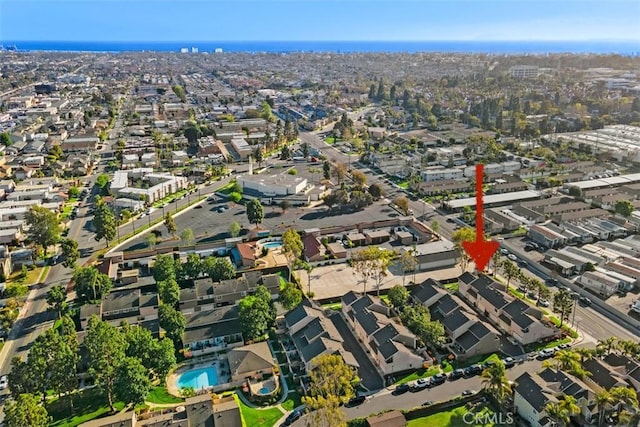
[{"x": 490, "y": 47}]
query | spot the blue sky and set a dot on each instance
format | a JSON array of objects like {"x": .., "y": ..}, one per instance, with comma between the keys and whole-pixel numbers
[{"x": 307, "y": 20}]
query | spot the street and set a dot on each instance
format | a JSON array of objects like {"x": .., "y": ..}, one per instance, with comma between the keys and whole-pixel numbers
[{"x": 385, "y": 399}]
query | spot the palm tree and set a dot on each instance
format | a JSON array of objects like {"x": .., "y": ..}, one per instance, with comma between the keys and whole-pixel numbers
[
  {"x": 625, "y": 397},
  {"x": 563, "y": 410},
  {"x": 603, "y": 400},
  {"x": 585, "y": 353},
  {"x": 510, "y": 270},
  {"x": 608, "y": 345},
  {"x": 495, "y": 381},
  {"x": 495, "y": 262}
]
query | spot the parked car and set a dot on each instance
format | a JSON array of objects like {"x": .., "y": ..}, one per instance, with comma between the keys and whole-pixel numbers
[
  {"x": 438, "y": 379},
  {"x": 551, "y": 282},
  {"x": 428, "y": 403},
  {"x": 473, "y": 370},
  {"x": 4, "y": 382},
  {"x": 546, "y": 353},
  {"x": 584, "y": 301},
  {"x": 509, "y": 362},
  {"x": 295, "y": 415},
  {"x": 458, "y": 373},
  {"x": 543, "y": 302},
  {"x": 402, "y": 388},
  {"x": 420, "y": 384},
  {"x": 468, "y": 392},
  {"x": 358, "y": 400},
  {"x": 522, "y": 263},
  {"x": 564, "y": 346},
  {"x": 504, "y": 251},
  {"x": 512, "y": 257}
]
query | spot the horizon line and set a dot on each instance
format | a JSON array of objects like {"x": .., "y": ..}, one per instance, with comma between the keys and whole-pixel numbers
[{"x": 330, "y": 40}]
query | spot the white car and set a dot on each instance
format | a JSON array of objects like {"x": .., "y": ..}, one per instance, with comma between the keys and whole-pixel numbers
[
  {"x": 4, "y": 382},
  {"x": 512, "y": 257}
]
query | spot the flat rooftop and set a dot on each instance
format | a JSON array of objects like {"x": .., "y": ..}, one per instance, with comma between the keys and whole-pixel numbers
[{"x": 495, "y": 198}]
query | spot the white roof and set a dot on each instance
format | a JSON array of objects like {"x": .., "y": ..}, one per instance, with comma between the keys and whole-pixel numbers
[{"x": 495, "y": 198}]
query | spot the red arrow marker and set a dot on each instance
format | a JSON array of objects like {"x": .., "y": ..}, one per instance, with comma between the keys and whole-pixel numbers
[{"x": 481, "y": 250}]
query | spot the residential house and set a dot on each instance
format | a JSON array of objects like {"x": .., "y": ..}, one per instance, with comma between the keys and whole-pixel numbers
[
  {"x": 208, "y": 295},
  {"x": 510, "y": 315},
  {"x": 387, "y": 419},
  {"x": 213, "y": 330},
  {"x": 312, "y": 334},
  {"x": 313, "y": 249},
  {"x": 434, "y": 255},
  {"x": 251, "y": 362},
  {"x": 601, "y": 282},
  {"x": 546, "y": 237},
  {"x": 391, "y": 346},
  {"x": 199, "y": 411},
  {"x": 534, "y": 390},
  {"x": 131, "y": 306}
]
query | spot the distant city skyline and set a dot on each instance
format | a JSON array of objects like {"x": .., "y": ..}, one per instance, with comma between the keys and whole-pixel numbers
[{"x": 312, "y": 20}]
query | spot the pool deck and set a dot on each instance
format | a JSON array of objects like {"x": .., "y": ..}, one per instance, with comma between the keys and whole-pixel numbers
[{"x": 172, "y": 378}]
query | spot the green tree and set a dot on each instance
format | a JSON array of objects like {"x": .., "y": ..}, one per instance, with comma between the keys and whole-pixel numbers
[
  {"x": 624, "y": 208},
  {"x": 25, "y": 411},
  {"x": 104, "y": 222},
  {"x": 331, "y": 377},
  {"x": 510, "y": 271},
  {"x": 567, "y": 361},
  {"x": 255, "y": 211},
  {"x": 435, "y": 226},
  {"x": 164, "y": 359},
  {"x": 234, "y": 229},
  {"x": 398, "y": 296},
  {"x": 290, "y": 296},
  {"x": 5, "y": 139},
  {"x": 292, "y": 247},
  {"x": 164, "y": 268},
  {"x": 132, "y": 384},
  {"x": 106, "y": 349},
  {"x": 326, "y": 169},
  {"x": 169, "y": 291},
  {"x": 364, "y": 263},
  {"x": 90, "y": 284},
  {"x": 408, "y": 263},
  {"x": 56, "y": 298},
  {"x": 339, "y": 171},
  {"x": 563, "y": 304},
  {"x": 563, "y": 410},
  {"x": 376, "y": 191},
  {"x": 284, "y": 205},
  {"x": 463, "y": 234},
  {"x": 102, "y": 182},
  {"x": 70, "y": 253},
  {"x": 170, "y": 223},
  {"x": 151, "y": 240},
  {"x": 187, "y": 236},
  {"x": 74, "y": 192},
  {"x": 43, "y": 226},
  {"x": 381, "y": 265},
  {"x": 402, "y": 203},
  {"x": 256, "y": 313},
  {"x": 359, "y": 178},
  {"x": 193, "y": 267},
  {"x": 178, "y": 90},
  {"x": 495, "y": 381},
  {"x": 219, "y": 268},
  {"x": 173, "y": 323}
]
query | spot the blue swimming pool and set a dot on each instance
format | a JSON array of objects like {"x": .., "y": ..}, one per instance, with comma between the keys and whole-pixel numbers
[
  {"x": 272, "y": 245},
  {"x": 199, "y": 378}
]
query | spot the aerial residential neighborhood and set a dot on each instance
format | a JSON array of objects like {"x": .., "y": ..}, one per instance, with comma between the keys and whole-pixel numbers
[{"x": 229, "y": 239}]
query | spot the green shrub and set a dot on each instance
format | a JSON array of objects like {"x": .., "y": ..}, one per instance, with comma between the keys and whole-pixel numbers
[
  {"x": 235, "y": 197},
  {"x": 292, "y": 171}
]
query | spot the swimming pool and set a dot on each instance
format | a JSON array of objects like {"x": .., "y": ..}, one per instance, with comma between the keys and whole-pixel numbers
[
  {"x": 199, "y": 378},
  {"x": 272, "y": 245}
]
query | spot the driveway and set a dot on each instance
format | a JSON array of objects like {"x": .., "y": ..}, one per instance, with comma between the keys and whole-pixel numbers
[{"x": 369, "y": 376}]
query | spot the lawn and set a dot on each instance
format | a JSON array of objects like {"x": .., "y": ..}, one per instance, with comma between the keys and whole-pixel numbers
[
  {"x": 333, "y": 306},
  {"x": 32, "y": 277},
  {"x": 541, "y": 346},
  {"x": 330, "y": 140},
  {"x": 66, "y": 211},
  {"x": 258, "y": 417},
  {"x": 293, "y": 401},
  {"x": 88, "y": 405},
  {"x": 404, "y": 185},
  {"x": 420, "y": 373},
  {"x": 454, "y": 418},
  {"x": 451, "y": 287},
  {"x": 493, "y": 357},
  {"x": 160, "y": 395}
]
